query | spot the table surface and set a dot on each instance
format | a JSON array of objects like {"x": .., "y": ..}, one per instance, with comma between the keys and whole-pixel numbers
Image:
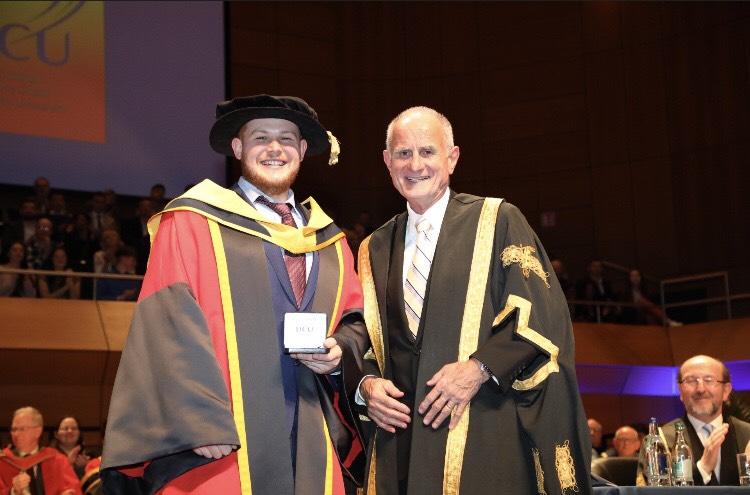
[{"x": 671, "y": 490}]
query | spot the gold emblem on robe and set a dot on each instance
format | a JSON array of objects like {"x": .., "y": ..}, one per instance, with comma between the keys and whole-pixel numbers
[
  {"x": 524, "y": 256},
  {"x": 566, "y": 471},
  {"x": 539, "y": 473}
]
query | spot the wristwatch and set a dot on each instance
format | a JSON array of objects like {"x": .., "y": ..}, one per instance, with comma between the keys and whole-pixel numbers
[{"x": 484, "y": 368}]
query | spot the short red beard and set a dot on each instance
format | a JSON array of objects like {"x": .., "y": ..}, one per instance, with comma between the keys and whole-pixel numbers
[{"x": 270, "y": 187}]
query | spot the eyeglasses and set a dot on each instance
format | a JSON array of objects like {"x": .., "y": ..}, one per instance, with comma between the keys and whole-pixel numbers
[
  {"x": 708, "y": 381},
  {"x": 68, "y": 428},
  {"x": 21, "y": 429}
]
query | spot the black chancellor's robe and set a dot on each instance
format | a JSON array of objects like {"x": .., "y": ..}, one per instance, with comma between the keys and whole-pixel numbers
[{"x": 525, "y": 435}]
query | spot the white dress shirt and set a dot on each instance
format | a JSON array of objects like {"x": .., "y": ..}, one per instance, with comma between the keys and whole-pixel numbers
[
  {"x": 434, "y": 214},
  {"x": 703, "y": 436},
  {"x": 252, "y": 194}
]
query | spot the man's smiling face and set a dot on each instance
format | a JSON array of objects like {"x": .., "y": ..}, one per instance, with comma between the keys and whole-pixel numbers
[
  {"x": 270, "y": 151},
  {"x": 419, "y": 159}
]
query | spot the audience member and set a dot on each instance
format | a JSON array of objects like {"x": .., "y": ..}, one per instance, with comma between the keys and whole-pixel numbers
[
  {"x": 562, "y": 276},
  {"x": 104, "y": 259},
  {"x": 111, "y": 205},
  {"x": 24, "y": 226},
  {"x": 59, "y": 286},
  {"x": 594, "y": 287},
  {"x": 627, "y": 442},
  {"x": 14, "y": 284},
  {"x": 39, "y": 246},
  {"x": 69, "y": 441},
  {"x": 645, "y": 312},
  {"x": 60, "y": 216},
  {"x": 715, "y": 439},
  {"x": 80, "y": 243},
  {"x": 119, "y": 289},
  {"x": 41, "y": 194},
  {"x": 27, "y": 468},
  {"x": 595, "y": 431},
  {"x": 99, "y": 218},
  {"x": 158, "y": 195},
  {"x": 135, "y": 232}
]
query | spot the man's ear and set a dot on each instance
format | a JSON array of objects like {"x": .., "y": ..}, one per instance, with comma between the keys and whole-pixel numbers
[
  {"x": 453, "y": 155},
  {"x": 302, "y": 149},
  {"x": 237, "y": 148},
  {"x": 387, "y": 159}
]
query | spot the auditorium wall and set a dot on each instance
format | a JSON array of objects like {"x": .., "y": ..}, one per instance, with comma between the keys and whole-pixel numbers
[{"x": 624, "y": 123}]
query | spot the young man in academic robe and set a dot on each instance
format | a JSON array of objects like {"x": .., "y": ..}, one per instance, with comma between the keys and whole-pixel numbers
[
  {"x": 469, "y": 377},
  {"x": 206, "y": 400}
]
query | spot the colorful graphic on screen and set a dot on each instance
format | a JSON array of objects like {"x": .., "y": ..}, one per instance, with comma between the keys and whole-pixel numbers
[{"x": 52, "y": 69}]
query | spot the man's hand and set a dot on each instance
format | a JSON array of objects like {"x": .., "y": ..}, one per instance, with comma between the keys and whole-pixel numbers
[
  {"x": 214, "y": 451},
  {"x": 383, "y": 407},
  {"x": 713, "y": 447},
  {"x": 322, "y": 364},
  {"x": 21, "y": 481},
  {"x": 454, "y": 385}
]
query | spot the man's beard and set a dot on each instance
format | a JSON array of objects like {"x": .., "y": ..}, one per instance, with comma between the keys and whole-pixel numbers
[
  {"x": 271, "y": 187},
  {"x": 704, "y": 410}
]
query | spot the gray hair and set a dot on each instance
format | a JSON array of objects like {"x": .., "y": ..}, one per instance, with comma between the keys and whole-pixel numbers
[
  {"x": 447, "y": 129},
  {"x": 36, "y": 416}
]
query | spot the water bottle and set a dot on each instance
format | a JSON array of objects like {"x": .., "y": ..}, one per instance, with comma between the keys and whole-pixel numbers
[
  {"x": 658, "y": 458},
  {"x": 682, "y": 459}
]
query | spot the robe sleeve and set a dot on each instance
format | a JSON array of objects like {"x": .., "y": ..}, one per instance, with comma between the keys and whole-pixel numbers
[
  {"x": 64, "y": 476},
  {"x": 170, "y": 394},
  {"x": 537, "y": 362}
]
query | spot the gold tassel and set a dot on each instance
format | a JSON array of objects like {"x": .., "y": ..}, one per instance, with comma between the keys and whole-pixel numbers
[{"x": 335, "y": 149}]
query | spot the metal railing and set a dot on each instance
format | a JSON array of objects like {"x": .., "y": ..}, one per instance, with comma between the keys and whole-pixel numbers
[
  {"x": 83, "y": 275},
  {"x": 726, "y": 298}
]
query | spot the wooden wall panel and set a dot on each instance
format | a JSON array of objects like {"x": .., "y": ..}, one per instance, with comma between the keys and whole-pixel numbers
[{"x": 533, "y": 89}]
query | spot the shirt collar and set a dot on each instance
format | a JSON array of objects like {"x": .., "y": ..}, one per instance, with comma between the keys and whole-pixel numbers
[
  {"x": 698, "y": 424},
  {"x": 252, "y": 192},
  {"x": 434, "y": 213}
]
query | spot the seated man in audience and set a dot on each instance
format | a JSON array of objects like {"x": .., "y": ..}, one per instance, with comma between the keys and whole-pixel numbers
[
  {"x": 23, "y": 227},
  {"x": 117, "y": 289},
  {"x": 135, "y": 232},
  {"x": 39, "y": 247},
  {"x": 715, "y": 439},
  {"x": 594, "y": 287},
  {"x": 27, "y": 468},
  {"x": 597, "y": 445},
  {"x": 626, "y": 443}
]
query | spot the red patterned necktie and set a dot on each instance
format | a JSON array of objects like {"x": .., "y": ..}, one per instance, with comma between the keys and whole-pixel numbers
[{"x": 295, "y": 263}]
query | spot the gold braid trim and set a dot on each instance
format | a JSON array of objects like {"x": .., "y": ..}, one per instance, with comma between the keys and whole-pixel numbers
[
  {"x": 371, "y": 478},
  {"x": 523, "y": 306},
  {"x": 372, "y": 311},
  {"x": 524, "y": 256},
  {"x": 566, "y": 471},
  {"x": 539, "y": 473},
  {"x": 469, "y": 340}
]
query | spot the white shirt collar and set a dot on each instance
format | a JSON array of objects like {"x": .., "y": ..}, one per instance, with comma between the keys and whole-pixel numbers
[
  {"x": 253, "y": 192},
  {"x": 698, "y": 424},
  {"x": 434, "y": 214}
]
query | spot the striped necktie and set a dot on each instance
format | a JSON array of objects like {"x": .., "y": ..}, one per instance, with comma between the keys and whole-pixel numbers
[
  {"x": 295, "y": 263},
  {"x": 416, "y": 277}
]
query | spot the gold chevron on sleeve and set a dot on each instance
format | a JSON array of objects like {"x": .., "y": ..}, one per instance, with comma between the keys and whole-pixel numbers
[{"x": 523, "y": 306}]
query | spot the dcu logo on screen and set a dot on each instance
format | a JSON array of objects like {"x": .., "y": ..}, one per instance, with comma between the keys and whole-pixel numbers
[{"x": 19, "y": 40}]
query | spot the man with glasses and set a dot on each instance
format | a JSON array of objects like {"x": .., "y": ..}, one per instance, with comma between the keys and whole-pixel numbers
[
  {"x": 714, "y": 438},
  {"x": 27, "y": 469}
]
